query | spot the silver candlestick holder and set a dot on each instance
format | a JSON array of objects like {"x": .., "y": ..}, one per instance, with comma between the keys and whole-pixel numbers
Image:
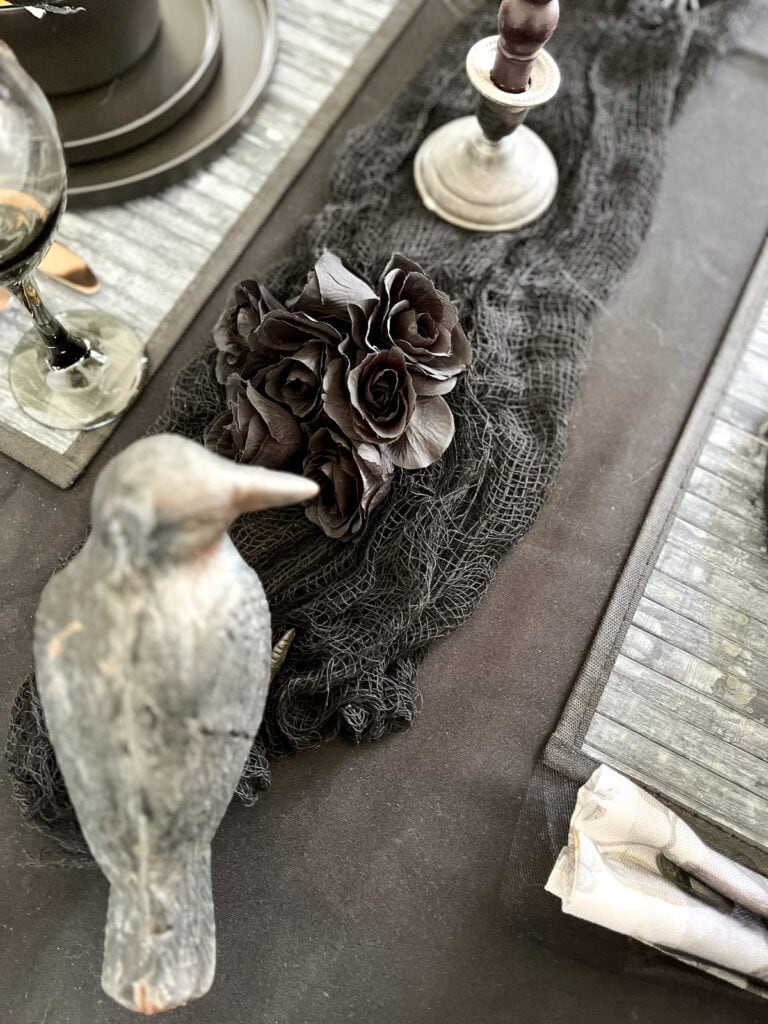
[{"x": 490, "y": 172}]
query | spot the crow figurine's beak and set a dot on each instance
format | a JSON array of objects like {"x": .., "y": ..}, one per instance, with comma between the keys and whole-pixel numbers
[{"x": 256, "y": 489}]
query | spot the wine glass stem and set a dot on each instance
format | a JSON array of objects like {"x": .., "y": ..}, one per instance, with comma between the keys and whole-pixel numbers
[{"x": 64, "y": 349}]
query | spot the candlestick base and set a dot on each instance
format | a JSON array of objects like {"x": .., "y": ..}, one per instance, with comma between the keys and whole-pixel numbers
[
  {"x": 491, "y": 172},
  {"x": 481, "y": 185}
]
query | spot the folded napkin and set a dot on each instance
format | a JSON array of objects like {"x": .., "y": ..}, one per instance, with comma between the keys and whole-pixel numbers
[{"x": 632, "y": 865}]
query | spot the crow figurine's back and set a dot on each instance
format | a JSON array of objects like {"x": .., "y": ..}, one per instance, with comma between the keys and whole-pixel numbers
[{"x": 152, "y": 650}]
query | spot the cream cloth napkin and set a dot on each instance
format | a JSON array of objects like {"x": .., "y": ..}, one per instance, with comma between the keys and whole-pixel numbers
[{"x": 632, "y": 865}]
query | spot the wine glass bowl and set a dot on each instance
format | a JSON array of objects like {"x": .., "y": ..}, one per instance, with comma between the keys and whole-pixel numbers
[
  {"x": 80, "y": 369},
  {"x": 33, "y": 173}
]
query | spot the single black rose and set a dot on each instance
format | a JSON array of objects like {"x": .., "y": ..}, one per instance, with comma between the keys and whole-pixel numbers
[
  {"x": 254, "y": 430},
  {"x": 235, "y": 330},
  {"x": 373, "y": 400},
  {"x": 334, "y": 293},
  {"x": 371, "y": 396},
  {"x": 353, "y": 479},
  {"x": 422, "y": 321},
  {"x": 297, "y": 379}
]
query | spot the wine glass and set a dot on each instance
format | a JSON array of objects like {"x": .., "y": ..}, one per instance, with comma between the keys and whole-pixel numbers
[{"x": 80, "y": 369}]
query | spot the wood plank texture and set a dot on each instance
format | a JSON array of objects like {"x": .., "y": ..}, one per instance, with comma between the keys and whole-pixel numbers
[{"x": 685, "y": 709}]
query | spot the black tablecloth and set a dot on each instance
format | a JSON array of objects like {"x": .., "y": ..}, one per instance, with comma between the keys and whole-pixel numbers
[{"x": 365, "y": 885}]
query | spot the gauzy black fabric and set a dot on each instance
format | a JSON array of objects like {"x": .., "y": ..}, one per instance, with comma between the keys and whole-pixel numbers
[{"x": 366, "y": 612}]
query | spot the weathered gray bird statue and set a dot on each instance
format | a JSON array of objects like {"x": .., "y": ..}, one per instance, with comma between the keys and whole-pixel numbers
[{"x": 152, "y": 650}]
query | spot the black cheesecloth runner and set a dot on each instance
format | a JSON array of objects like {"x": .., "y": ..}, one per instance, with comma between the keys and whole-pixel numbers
[{"x": 365, "y": 612}]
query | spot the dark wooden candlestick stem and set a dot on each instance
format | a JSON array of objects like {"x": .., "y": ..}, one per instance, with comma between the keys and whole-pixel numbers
[{"x": 525, "y": 26}]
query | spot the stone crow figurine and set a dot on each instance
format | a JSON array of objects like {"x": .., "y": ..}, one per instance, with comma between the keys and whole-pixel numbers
[{"x": 152, "y": 650}]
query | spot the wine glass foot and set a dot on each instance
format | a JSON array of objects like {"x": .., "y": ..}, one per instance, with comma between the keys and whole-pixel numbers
[{"x": 93, "y": 391}]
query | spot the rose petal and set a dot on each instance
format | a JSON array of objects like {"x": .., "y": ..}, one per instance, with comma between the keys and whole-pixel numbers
[
  {"x": 258, "y": 297},
  {"x": 428, "y": 435},
  {"x": 286, "y": 331},
  {"x": 331, "y": 287},
  {"x": 423, "y": 294},
  {"x": 218, "y": 436},
  {"x": 280, "y": 422},
  {"x": 462, "y": 350},
  {"x": 427, "y": 386},
  {"x": 362, "y": 317},
  {"x": 377, "y": 474},
  {"x": 335, "y": 393},
  {"x": 399, "y": 262},
  {"x": 311, "y": 355},
  {"x": 400, "y": 307}
]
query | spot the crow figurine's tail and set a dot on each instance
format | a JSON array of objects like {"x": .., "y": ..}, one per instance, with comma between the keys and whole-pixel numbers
[{"x": 160, "y": 942}]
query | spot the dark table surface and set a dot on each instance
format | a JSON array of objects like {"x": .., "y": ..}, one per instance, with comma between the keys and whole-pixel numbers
[{"x": 365, "y": 885}]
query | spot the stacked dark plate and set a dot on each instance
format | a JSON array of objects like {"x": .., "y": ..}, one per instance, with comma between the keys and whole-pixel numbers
[{"x": 144, "y": 90}]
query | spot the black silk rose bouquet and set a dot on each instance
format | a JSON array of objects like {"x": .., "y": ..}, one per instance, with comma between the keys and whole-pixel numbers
[{"x": 344, "y": 384}]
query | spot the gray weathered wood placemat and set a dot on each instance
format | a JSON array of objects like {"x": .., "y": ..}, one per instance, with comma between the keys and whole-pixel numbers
[
  {"x": 675, "y": 690},
  {"x": 161, "y": 256}
]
